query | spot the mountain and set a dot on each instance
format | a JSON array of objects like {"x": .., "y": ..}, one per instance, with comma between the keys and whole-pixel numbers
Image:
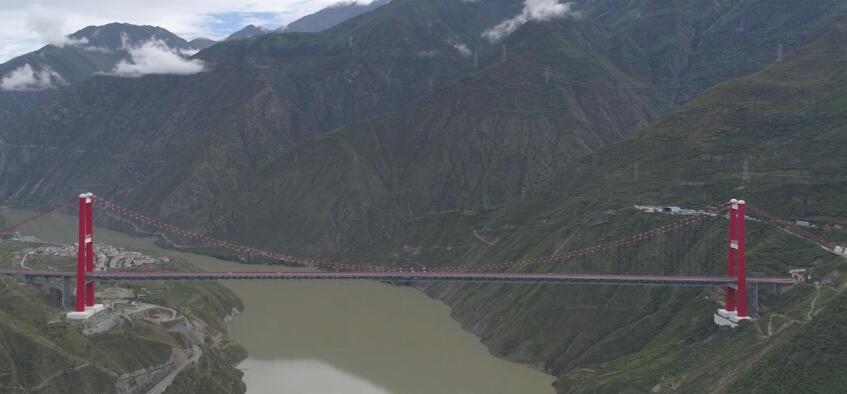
[
  {"x": 113, "y": 36},
  {"x": 331, "y": 16},
  {"x": 262, "y": 97},
  {"x": 473, "y": 143},
  {"x": 439, "y": 130},
  {"x": 92, "y": 50},
  {"x": 201, "y": 43},
  {"x": 771, "y": 138},
  {"x": 403, "y": 136},
  {"x": 483, "y": 140},
  {"x": 687, "y": 48},
  {"x": 362, "y": 192},
  {"x": 248, "y": 31}
]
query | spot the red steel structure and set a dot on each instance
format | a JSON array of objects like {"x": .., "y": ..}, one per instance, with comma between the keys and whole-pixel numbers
[
  {"x": 79, "y": 303},
  {"x": 85, "y": 254},
  {"x": 741, "y": 270},
  {"x": 736, "y": 262},
  {"x": 731, "y": 256},
  {"x": 89, "y": 248},
  {"x": 735, "y": 279},
  {"x": 408, "y": 276}
]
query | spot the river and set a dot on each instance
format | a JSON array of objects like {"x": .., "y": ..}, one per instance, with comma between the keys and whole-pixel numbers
[{"x": 338, "y": 337}]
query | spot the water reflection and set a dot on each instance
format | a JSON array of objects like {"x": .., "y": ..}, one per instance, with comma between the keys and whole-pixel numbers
[{"x": 304, "y": 377}]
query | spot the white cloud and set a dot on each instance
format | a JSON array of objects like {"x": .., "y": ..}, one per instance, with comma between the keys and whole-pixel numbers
[
  {"x": 188, "y": 52},
  {"x": 26, "y": 78},
  {"x": 49, "y": 25},
  {"x": 187, "y": 18},
  {"x": 156, "y": 57},
  {"x": 533, "y": 10},
  {"x": 428, "y": 54},
  {"x": 462, "y": 48},
  {"x": 92, "y": 48}
]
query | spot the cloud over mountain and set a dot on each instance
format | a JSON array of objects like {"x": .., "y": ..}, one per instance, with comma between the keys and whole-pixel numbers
[
  {"x": 533, "y": 10},
  {"x": 50, "y": 26},
  {"x": 26, "y": 78},
  {"x": 460, "y": 47},
  {"x": 190, "y": 19},
  {"x": 156, "y": 57}
]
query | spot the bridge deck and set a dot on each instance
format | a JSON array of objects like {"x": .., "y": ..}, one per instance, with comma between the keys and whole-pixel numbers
[{"x": 562, "y": 278}]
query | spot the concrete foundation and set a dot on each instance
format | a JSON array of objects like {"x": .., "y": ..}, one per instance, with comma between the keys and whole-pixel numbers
[
  {"x": 89, "y": 311},
  {"x": 725, "y": 318}
]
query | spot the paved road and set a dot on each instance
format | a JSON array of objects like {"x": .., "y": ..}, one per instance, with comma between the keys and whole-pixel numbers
[{"x": 163, "y": 384}]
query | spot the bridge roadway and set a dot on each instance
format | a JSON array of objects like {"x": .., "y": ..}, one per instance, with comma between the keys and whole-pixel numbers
[{"x": 395, "y": 276}]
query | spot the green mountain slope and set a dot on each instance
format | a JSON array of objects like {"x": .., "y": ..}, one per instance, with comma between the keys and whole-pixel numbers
[
  {"x": 771, "y": 138},
  {"x": 812, "y": 361},
  {"x": 378, "y": 140},
  {"x": 474, "y": 143},
  {"x": 42, "y": 352},
  {"x": 564, "y": 91},
  {"x": 550, "y": 93},
  {"x": 685, "y": 47},
  {"x": 189, "y": 140}
]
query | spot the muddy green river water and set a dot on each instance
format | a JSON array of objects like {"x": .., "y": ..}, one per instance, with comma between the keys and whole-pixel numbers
[{"x": 338, "y": 337}]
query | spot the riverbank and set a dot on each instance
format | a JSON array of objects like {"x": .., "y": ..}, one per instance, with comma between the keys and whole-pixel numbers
[
  {"x": 367, "y": 338},
  {"x": 130, "y": 347}
]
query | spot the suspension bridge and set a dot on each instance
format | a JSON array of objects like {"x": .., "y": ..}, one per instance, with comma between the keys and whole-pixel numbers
[{"x": 734, "y": 279}]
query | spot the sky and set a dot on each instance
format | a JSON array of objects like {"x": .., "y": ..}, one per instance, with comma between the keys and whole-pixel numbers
[{"x": 20, "y": 32}]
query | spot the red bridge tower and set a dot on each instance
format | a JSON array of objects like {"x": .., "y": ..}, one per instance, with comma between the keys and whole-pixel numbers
[
  {"x": 735, "y": 304},
  {"x": 84, "y": 306}
]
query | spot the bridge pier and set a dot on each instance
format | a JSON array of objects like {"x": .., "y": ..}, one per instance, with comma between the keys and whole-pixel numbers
[
  {"x": 753, "y": 297},
  {"x": 67, "y": 292},
  {"x": 731, "y": 319},
  {"x": 45, "y": 283}
]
